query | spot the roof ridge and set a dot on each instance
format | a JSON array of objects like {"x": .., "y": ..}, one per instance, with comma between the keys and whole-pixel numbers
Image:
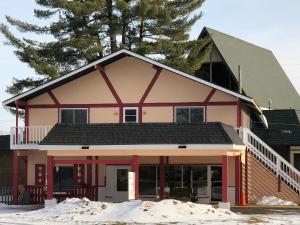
[{"x": 239, "y": 39}]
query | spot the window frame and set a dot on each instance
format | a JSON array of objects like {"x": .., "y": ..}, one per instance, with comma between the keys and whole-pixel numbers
[
  {"x": 189, "y": 107},
  {"x": 73, "y": 109},
  {"x": 137, "y": 114}
]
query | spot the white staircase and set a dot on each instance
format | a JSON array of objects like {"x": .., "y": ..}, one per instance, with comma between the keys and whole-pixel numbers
[{"x": 271, "y": 159}]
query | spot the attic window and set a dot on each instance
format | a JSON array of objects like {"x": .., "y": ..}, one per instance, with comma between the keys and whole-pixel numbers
[
  {"x": 73, "y": 116},
  {"x": 130, "y": 115}
]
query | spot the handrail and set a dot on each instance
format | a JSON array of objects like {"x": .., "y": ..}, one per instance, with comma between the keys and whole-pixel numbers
[
  {"x": 271, "y": 158},
  {"x": 28, "y": 136}
]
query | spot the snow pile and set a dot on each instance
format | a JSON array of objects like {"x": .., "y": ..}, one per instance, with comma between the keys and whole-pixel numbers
[
  {"x": 271, "y": 200},
  {"x": 166, "y": 211}
]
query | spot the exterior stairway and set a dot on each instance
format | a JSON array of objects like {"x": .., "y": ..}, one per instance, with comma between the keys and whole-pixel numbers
[{"x": 266, "y": 172}]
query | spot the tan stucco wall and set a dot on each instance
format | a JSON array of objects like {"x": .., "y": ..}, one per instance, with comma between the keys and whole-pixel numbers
[
  {"x": 130, "y": 78},
  {"x": 43, "y": 117},
  {"x": 104, "y": 115},
  {"x": 170, "y": 87},
  {"x": 41, "y": 99},
  {"x": 222, "y": 97},
  {"x": 226, "y": 114},
  {"x": 246, "y": 121},
  {"x": 88, "y": 89},
  {"x": 34, "y": 157},
  {"x": 157, "y": 114}
]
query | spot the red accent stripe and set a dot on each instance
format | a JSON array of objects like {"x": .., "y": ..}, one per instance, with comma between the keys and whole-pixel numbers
[
  {"x": 209, "y": 96},
  {"x": 52, "y": 96},
  {"x": 150, "y": 104},
  {"x": 109, "y": 84},
  {"x": 224, "y": 178},
  {"x": 151, "y": 84},
  {"x": 94, "y": 161},
  {"x": 50, "y": 164},
  {"x": 239, "y": 114}
]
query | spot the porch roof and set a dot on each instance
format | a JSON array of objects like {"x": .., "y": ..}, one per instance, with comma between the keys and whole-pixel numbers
[{"x": 212, "y": 133}]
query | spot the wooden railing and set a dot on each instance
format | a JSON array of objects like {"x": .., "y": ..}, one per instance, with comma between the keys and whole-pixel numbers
[
  {"x": 27, "y": 137},
  {"x": 271, "y": 159},
  {"x": 38, "y": 193}
]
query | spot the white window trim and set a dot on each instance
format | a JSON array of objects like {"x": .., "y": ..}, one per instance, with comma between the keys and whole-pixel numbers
[
  {"x": 184, "y": 107},
  {"x": 87, "y": 113},
  {"x": 137, "y": 114}
]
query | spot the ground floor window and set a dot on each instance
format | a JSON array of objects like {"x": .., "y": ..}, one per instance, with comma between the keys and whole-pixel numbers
[
  {"x": 122, "y": 179},
  {"x": 190, "y": 181},
  {"x": 63, "y": 178}
]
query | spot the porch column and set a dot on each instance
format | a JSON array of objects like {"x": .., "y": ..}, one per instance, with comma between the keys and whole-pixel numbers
[
  {"x": 89, "y": 178},
  {"x": 224, "y": 178},
  {"x": 135, "y": 168},
  {"x": 50, "y": 166},
  {"x": 238, "y": 180},
  {"x": 15, "y": 176},
  {"x": 161, "y": 178}
]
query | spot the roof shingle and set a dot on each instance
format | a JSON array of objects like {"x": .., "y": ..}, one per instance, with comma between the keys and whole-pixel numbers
[{"x": 141, "y": 133}]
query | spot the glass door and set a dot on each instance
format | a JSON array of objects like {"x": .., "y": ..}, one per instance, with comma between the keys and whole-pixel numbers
[
  {"x": 216, "y": 183},
  {"x": 199, "y": 181}
]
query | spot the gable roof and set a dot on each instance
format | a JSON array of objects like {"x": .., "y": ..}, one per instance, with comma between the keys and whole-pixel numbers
[
  {"x": 284, "y": 127},
  {"x": 106, "y": 60},
  {"x": 213, "y": 133},
  {"x": 262, "y": 75}
]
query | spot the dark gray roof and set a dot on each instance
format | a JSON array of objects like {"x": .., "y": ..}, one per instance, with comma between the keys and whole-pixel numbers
[
  {"x": 141, "y": 133},
  {"x": 262, "y": 75},
  {"x": 284, "y": 127},
  {"x": 4, "y": 142}
]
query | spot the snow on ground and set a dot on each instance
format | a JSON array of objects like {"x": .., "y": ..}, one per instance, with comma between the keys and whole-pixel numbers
[
  {"x": 83, "y": 211},
  {"x": 271, "y": 201}
]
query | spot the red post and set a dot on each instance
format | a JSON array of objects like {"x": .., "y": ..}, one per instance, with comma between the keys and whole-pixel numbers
[
  {"x": 17, "y": 122},
  {"x": 89, "y": 178},
  {"x": 246, "y": 177},
  {"x": 15, "y": 176},
  {"x": 135, "y": 168},
  {"x": 50, "y": 167},
  {"x": 162, "y": 177},
  {"x": 238, "y": 180},
  {"x": 224, "y": 178}
]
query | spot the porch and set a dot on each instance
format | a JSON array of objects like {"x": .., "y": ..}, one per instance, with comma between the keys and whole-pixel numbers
[{"x": 203, "y": 179}]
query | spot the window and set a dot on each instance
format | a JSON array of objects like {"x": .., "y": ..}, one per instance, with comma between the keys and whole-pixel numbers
[
  {"x": 63, "y": 178},
  {"x": 148, "y": 180},
  {"x": 73, "y": 116},
  {"x": 122, "y": 179},
  {"x": 130, "y": 115},
  {"x": 189, "y": 114}
]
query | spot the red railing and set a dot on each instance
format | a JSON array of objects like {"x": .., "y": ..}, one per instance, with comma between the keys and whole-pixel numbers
[{"x": 38, "y": 193}]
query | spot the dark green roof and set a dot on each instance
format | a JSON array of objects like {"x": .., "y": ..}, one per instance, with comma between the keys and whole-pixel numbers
[
  {"x": 262, "y": 75},
  {"x": 284, "y": 127}
]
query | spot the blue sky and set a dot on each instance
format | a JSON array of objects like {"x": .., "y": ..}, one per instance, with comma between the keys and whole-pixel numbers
[{"x": 272, "y": 24}]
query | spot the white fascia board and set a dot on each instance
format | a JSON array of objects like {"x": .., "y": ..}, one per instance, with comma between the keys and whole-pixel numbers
[
  {"x": 11, "y": 100},
  {"x": 224, "y": 147}
]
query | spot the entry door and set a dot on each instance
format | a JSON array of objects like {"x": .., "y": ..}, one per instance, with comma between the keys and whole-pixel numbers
[
  {"x": 216, "y": 183},
  {"x": 117, "y": 183}
]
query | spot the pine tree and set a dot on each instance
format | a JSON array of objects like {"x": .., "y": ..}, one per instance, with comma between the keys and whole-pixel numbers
[{"x": 84, "y": 30}]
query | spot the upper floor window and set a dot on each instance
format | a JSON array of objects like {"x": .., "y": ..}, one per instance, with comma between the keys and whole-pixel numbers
[
  {"x": 130, "y": 115},
  {"x": 189, "y": 114},
  {"x": 73, "y": 116}
]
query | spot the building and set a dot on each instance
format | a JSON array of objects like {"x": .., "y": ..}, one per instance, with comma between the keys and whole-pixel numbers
[{"x": 85, "y": 130}]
